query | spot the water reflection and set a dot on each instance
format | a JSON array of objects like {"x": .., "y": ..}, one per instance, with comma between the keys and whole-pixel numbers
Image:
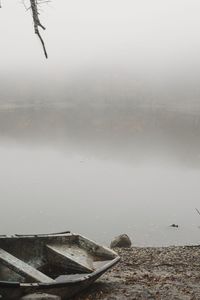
[{"x": 101, "y": 170}]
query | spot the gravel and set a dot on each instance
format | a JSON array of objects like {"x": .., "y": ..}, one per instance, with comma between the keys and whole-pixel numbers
[{"x": 165, "y": 273}]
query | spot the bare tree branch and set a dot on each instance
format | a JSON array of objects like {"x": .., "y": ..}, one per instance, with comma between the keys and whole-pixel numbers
[
  {"x": 37, "y": 23},
  {"x": 197, "y": 211},
  {"x": 25, "y": 6},
  {"x": 34, "y": 4}
]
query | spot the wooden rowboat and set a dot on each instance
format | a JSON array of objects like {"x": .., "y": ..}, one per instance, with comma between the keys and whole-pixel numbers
[{"x": 59, "y": 264}]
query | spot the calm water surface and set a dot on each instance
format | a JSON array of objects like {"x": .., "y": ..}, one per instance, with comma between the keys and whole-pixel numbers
[{"x": 101, "y": 171}]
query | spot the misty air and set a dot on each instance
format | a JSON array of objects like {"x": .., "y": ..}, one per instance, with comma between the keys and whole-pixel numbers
[{"x": 99, "y": 149}]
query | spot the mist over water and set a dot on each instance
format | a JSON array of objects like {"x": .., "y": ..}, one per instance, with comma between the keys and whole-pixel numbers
[
  {"x": 103, "y": 138},
  {"x": 101, "y": 170}
]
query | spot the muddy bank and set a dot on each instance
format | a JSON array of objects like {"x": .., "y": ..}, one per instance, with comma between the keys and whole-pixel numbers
[{"x": 164, "y": 273}]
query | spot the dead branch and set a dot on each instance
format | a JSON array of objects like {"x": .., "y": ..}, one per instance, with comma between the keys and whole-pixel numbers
[
  {"x": 34, "y": 4},
  {"x": 37, "y": 23},
  {"x": 197, "y": 211}
]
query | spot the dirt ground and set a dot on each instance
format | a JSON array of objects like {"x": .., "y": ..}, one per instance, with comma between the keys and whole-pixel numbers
[{"x": 168, "y": 273}]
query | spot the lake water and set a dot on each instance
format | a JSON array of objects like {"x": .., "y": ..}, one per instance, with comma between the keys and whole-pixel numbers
[{"x": 101, "y": 171}]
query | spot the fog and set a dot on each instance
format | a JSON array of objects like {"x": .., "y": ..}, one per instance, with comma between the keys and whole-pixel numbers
[
  {"x": 103, "y": 137},
  {"x": 155, "y": 40},
  {"x": 101, "y": 170},
  {"x": 148, "y": 45}
]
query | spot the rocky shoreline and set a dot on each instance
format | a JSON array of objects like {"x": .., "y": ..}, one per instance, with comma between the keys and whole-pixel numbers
[{"x": 159, "y": 273}]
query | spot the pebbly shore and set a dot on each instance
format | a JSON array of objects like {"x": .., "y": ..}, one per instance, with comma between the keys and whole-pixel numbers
[{"x": 162, "y": 273}]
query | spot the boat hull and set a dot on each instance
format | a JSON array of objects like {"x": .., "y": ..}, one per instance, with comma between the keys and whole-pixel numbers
[{"x": 67, "y": 286}]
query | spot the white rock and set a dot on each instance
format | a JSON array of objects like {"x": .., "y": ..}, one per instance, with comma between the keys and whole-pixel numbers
[{"x": 121, "y": 241}]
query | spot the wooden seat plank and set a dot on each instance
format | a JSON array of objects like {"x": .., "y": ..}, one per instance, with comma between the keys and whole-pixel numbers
[
  {"x": 22, "y": 268},
  {"x": 70, "y": 258}
]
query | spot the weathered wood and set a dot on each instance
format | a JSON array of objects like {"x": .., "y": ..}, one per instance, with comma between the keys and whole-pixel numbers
[
  {"x": 95, "y": 249},
  {"x": 73, "y": 265},
  {"x": 22, "y": 268},
  {"x": 41, "y": 296},
  {"x": 69, "y": 258}
]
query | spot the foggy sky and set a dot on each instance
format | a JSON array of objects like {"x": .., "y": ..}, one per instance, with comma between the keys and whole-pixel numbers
[{"x": 157, "y": 41}]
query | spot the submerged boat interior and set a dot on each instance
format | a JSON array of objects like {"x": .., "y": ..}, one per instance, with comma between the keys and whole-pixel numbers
[{"x": 50, "y": 258}]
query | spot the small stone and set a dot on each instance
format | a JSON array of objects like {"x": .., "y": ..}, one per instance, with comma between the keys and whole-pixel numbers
[
  {"x": 174, "y": 225},
  {"x": 121, "y": 241}
]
